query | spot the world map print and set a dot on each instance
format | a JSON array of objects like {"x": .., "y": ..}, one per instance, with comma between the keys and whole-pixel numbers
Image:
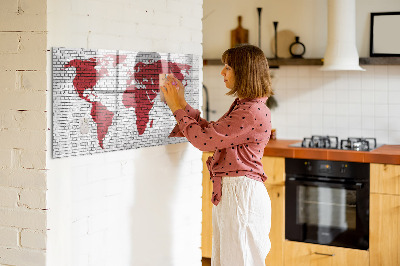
[{"x": 109, "y": 100}]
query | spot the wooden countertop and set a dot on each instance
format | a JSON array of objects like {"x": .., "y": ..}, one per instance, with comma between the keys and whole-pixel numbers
[{"x": 389, "y": 154}]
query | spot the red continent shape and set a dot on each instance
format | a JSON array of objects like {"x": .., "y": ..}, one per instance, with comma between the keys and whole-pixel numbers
[
  {"x": 103, "y": 119},
  {"x": 86, "y": 78},
  {"x": 86, "y": 75},
  {"x": 142, "y": 99}
]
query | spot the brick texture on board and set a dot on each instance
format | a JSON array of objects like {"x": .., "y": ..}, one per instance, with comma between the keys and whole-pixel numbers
[{"x": 109, "y": 100}]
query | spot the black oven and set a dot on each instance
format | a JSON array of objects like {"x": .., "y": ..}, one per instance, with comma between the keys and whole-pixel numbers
[{"x": 327, "y": 202}]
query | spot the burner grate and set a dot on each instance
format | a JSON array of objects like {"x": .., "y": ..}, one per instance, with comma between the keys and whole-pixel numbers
[
  {"x": 332, "y": 142},
  {"x": 358, "y": 144},
  {"x": 327, "y": 142}
]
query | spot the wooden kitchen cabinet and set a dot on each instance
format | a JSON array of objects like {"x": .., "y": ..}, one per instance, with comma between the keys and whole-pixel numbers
[
  {"x": 274, "y": 168},
  {"x": 384, "y": 236},
  {"x": 305, "y": 254},
  {"x": 206, "y": 225},
  {"x": 277, "y": 233}
]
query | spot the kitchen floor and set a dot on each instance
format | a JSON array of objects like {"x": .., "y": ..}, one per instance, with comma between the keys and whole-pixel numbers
[{"x": 206, "y": 261}]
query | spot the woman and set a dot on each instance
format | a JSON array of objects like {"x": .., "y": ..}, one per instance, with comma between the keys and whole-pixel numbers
[{"x": 242, "y": 209}]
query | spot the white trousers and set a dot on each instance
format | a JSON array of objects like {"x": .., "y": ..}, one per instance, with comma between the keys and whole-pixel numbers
[{"x": 241, "y": 223}]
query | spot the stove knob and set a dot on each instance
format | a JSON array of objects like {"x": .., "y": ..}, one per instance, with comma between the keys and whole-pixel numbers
[
  {"x": 308, "y": 166},
  {"x": 343, "y": 168}
]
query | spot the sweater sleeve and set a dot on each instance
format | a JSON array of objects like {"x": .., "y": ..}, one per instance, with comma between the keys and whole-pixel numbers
[
  {"x": 193, "y": 113},
  {"x": 231, "y": 130}
]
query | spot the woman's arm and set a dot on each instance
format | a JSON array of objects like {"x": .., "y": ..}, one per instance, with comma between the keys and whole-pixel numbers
[
  {"x": 193, "y": 113},
  {"x": 232, "y": 130},
  {"x": 236, "y": 128},
  {"x": 180, "y": 98}
]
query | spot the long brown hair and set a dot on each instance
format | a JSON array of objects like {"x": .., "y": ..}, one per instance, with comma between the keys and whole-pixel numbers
[{"x": 250, "y": 66}]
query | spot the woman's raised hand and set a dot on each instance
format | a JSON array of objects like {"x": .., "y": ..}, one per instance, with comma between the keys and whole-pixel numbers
[
  {"x": 181, "y": 91},
  {"x": 172, "y": 94}
]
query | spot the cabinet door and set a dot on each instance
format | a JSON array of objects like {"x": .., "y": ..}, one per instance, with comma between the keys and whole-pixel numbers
[
  {"x": 305, "y": 254},
  {"x": 384, "y": 236},
  {"x": 385, "y": 178},
  {"x": 206, "y": 232},
  {"x": 277, "y": 233},
  {"x": 274, "y": 168}
]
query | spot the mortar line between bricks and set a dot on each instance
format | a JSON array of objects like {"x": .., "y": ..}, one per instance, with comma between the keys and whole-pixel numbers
[{"x": 24, "y": 208}]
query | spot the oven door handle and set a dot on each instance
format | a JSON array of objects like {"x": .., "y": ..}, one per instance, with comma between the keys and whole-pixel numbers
[{"x": 357, "y": 185}]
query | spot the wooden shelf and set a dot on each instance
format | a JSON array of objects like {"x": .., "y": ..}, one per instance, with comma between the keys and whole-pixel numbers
[
  {"x": 380, "y": 61},
  {"x": 212, "y": 62},
  {"x": 274, "y": 63}
]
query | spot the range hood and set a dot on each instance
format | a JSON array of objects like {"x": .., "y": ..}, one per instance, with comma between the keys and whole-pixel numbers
[{"x": 341, "y": 51}]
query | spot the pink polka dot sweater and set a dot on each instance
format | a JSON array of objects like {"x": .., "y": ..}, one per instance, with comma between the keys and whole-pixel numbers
[{"x": 238, "y": 139}]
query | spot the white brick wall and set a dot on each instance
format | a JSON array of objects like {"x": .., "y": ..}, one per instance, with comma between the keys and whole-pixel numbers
[
  {"x": 23, "y": 132},
  {"x": 100, "y": 207},
  {"x": 134, "y": 207}
]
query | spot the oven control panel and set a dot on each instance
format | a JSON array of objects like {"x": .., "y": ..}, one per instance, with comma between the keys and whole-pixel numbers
[
  {"x": 325, "y": 167},
  {"x": 337, "y": 169}
]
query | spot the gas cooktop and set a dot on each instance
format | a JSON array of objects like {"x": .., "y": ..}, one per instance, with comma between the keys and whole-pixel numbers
[{"x": 332, "y": 142}]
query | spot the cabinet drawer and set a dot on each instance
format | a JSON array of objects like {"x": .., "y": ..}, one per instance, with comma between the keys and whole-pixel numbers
[{"x": 305, "y": 254}]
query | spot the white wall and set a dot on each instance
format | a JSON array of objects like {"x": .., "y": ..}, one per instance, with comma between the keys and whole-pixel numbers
[
  {"x": 134, "y": 207},
  {"x": 311, "y": 102}
]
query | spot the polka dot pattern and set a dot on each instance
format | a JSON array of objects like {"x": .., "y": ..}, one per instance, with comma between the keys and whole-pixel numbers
[{"x": 238, "y": 139}]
